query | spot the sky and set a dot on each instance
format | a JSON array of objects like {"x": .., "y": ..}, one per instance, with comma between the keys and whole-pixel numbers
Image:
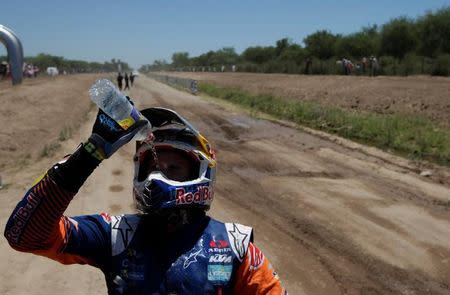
[{"x": 140, "y": 32}]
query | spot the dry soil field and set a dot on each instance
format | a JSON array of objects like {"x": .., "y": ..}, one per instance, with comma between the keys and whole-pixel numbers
[
  {"x": 334, "y": 217},
  {"x": 424, "y": 95}
]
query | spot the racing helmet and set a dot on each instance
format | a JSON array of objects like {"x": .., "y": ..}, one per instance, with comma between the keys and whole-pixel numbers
[{"x": 154, "y": 189}]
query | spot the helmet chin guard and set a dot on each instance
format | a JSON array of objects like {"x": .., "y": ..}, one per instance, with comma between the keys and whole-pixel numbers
[{"x": 153, "y": 190}]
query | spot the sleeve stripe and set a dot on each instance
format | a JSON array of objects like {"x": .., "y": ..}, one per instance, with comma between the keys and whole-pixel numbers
[
  {"x": 36, "y": 219},
  {"x": 60, "y": 195},
  {"x": 32, "y": 234},
  {"x": 52, "y": 196},
  {"x": 35, "y": 232}
]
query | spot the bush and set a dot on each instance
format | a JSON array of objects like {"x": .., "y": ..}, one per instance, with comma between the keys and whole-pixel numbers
[
  {"x": 411, "y": 64},
  {"x": 442, "y": 66}
]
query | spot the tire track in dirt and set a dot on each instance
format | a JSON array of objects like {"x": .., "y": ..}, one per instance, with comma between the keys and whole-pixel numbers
[{"x": 242, "y": 163}]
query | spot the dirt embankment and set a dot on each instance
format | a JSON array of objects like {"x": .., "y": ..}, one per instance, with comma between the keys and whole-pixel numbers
[
  {"x": 422, "y": 95},
  {"x": 37, "y": 115}
]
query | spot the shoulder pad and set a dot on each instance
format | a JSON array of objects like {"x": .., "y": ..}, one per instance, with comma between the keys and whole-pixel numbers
[
  {"x": 123, "y": 228},
  {"x": 239, "y": 236}
]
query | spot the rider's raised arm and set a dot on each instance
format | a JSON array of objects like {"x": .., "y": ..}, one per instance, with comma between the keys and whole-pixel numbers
[{"x": 37, "y": 224}]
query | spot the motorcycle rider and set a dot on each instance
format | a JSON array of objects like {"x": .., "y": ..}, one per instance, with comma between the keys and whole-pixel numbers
[{"x": 171, "y": 246}]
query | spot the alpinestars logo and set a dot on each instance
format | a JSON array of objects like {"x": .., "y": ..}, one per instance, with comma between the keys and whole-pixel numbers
[
  {"x": 202, "y": 195},
  {"x": 191, "y": 259},
  {"x": 124, "y": 231},
  {"x": 239, "y": 240}
]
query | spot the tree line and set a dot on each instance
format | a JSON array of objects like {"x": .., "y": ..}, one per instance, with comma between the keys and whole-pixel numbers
[
  {"x": 44, "y": 60},
  {"x": 402, "y": 46}
]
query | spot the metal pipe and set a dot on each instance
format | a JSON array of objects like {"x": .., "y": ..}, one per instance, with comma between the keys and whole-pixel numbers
[{"x": 15, "y": 53}]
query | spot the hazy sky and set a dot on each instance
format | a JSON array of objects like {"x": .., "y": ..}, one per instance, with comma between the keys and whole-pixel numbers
[{"x": 141, "y": 31}]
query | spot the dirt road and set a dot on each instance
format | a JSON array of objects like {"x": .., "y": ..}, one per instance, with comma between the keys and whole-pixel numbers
[{"x": 332, "y": 218}]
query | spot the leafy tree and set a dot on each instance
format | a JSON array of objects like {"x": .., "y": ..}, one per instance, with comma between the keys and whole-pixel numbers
[
  {"x": 282, "y": 45},
  {"x": 398, "y": 37},
  {"x": 180, "y": 59},
  {"x": 158, "y": 65},
  {"x": 434, "y": 32},
  {"x": 356, "y": 45},
  {"x": 405, "y": 46},
  {"x": 224, "y": 56},
  {"x": 204, "y": 59},
  {"x": 44, "y": 60},
  {"x": 321, "y": 44},
  {"x": 259, "y": 54},
  {"x": 372, "y": 35},
  {"x": 293, "y": 53}
]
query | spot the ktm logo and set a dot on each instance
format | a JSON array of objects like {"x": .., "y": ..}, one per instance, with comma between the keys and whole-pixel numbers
[{"x": 220, "y": 258}]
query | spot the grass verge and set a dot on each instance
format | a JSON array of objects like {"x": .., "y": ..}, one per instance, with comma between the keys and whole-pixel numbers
[
  {"x": 408, "y": 135},
  {"x": 49, "y": 150},
  {"x": 65, "y": 133}
]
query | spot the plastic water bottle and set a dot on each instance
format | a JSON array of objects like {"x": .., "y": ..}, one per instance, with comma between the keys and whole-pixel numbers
[{"x": 116, "y": 105}]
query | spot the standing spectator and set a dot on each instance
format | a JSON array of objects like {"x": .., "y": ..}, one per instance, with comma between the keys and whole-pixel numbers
[
  {"x": 3, "y": 70},
  {"x": 373, "y": 66},
  {"x": 344, "y": 66},
  {"x": 349, "y": 67},
  {"x": 127, "y": 85},
  {"x": 29, "y": 71},
  {"x": 24, "y": 69},
  {"x": 308, "y": 66},
  {"x": 8, "y": 71},
  {"x": 364, "y": 65},
  {"x": 35, "y": 70},
  {"x": 119, "y": 80},
  {"x": 131, "y": 78}
]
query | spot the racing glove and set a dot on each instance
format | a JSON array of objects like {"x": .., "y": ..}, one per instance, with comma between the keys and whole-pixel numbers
[{"x": 108, "y": 136}]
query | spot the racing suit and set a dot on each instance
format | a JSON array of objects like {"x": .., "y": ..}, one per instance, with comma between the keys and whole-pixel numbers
[{"x": 135, "y": 253}]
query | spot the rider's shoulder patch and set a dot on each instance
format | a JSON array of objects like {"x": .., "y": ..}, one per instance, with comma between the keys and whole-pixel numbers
[
  {"x": 240, "y": 237},
  {"x": 123, "y": 228}
]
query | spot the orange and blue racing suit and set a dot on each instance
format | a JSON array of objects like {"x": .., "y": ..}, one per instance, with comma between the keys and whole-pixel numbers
[{"x": 206, "y": 257}]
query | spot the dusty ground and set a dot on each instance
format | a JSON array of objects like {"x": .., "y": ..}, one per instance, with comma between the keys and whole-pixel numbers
[
  {"x": 424, "y": 95},
  {"x": 333, "y": 217}
]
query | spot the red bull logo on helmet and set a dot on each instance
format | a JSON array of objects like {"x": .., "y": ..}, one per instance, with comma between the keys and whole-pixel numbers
[{"x": 201, "y": 196}]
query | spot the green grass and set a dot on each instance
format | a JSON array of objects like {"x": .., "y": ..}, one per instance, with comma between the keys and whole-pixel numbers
[
  {"x": 49, "y": 149},
  {"x": 65, "y": 133},
  {"x": 6, "y": 186},
  {"x": 412, "y": 136}
]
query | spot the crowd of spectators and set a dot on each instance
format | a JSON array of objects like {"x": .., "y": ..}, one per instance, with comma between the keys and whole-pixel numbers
[
  {"x": 129, "y": 79},
  {"x": 365, "y": 66},
  {"x": 28, "y": 70}
]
